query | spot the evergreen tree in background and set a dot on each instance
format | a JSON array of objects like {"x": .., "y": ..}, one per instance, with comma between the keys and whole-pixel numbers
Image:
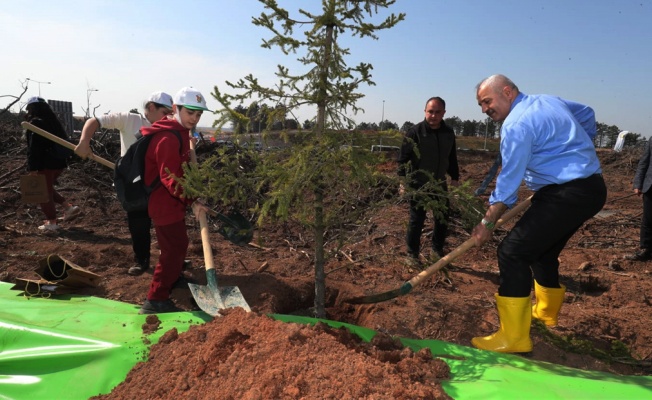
[{"x": 323, "y": 182}]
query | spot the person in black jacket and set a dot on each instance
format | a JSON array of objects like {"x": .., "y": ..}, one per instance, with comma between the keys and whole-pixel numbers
[
  {"x": 427, "y": 154},
  {"x": 642, "y": 185},
  {"x": 42, "y": 159}
]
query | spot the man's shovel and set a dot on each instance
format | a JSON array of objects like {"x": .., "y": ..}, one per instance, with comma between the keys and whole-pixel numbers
[{"x": 461, "y": 249}]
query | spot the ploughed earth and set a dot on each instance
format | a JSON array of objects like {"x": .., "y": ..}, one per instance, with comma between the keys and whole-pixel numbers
[{"x": 248, "y": 355}]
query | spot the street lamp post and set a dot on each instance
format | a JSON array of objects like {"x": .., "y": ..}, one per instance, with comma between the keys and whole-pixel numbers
[
  {"x": 382, "y": 120},
  {"x": 486, "y": 131},
  {"x": 39, "y": 84},
  {"x": 88, "y": 101}
]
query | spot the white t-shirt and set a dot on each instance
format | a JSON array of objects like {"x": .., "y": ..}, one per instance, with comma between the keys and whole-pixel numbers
[{"x": 127, "y": 123}]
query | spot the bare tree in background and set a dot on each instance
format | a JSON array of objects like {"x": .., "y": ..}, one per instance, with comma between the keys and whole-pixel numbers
[{"x": 16, "y": 98}]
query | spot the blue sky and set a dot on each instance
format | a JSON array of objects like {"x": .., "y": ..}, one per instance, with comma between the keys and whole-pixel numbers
[{"x": 593, "y": 51}]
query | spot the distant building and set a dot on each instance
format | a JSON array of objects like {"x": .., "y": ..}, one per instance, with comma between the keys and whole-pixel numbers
[{"x": 63, "y": 110}]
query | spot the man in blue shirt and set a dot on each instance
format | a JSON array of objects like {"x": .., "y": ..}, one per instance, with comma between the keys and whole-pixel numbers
[{"x": 547, "y": 142}]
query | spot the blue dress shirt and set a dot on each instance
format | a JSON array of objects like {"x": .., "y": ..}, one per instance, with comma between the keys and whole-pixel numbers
[{"x": 545, "y": 140}]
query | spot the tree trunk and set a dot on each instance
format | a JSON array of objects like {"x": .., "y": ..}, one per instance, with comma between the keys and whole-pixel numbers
[
  {"x": 322, "y": 100},
  {"x": 320, "y": 275}
]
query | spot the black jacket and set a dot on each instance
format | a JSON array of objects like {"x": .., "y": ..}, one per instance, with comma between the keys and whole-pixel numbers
[
  {"x": 643, "y": 177},
  {"x": 40, "y": 150},
  {"x": 437, "y": 153}
]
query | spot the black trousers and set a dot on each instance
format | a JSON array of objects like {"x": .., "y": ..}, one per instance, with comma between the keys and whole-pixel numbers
[
  {"x": 417, "y": 221},
  {"x": 533, "y": 246},
  {"x": 646, "y": 221},
  {"x": 140, "y": 225}
]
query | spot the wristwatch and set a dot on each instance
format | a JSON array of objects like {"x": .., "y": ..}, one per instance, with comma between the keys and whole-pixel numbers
[{"x": 488, "y": 224}]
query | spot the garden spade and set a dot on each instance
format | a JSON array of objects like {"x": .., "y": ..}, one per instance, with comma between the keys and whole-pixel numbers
[
  {"x": 441, "y": 263},
  {"x": 211, "y": 298}
]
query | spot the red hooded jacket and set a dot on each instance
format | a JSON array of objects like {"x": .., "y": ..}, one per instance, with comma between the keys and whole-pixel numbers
[{"x": 166, "y": 205}]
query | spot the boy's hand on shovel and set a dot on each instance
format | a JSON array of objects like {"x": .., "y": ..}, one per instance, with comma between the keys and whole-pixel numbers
[
  {"x": 199, "y": 208},
  {"x": 83, "y": 150}
]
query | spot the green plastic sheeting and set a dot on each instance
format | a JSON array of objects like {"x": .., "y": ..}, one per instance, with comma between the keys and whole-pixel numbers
[
  {"x": 75, "y": 347},
  {"x": 484, "y": 375}
]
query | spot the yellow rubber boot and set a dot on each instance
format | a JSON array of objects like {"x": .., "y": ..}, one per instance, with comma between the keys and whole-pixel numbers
[
  {"x": 548, "y": 303},
  {"x": 514, "y": 334}
]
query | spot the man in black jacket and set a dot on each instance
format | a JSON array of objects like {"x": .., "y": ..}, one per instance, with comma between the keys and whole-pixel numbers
[
  {"x": 428, "y": 153},
  {"x": 642, "y": 186}
]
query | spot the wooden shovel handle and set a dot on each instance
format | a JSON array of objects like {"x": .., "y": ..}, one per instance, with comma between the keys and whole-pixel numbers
[
  {"x": 209, "y": 263},
  {"x": 464, "y": 247},
  {"x": 206, "y": 242},
  {"x": 64, "y": 143}
]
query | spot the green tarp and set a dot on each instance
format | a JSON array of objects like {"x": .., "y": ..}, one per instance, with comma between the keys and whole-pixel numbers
[{"x": 75, "y": 347}]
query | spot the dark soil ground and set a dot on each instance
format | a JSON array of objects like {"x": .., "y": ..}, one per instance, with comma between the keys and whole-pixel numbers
[{"x": 604, "y": 324}]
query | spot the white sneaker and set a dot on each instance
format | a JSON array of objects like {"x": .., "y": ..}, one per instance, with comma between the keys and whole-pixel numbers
[
  {"x": 71, "y": 213},
  {"x": 49, "y": 227}
]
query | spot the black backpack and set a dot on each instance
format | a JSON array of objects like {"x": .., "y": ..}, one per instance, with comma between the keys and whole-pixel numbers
[{"x": 129, "y": 174}]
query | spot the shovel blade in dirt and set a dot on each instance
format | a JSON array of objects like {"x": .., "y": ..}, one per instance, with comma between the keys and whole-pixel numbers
[{"x": 212, "y": 298}]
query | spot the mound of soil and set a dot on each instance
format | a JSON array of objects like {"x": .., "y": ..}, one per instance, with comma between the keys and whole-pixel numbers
[
  {"x": 248, "y": 356},
  {"x": 603, "y": 324}
]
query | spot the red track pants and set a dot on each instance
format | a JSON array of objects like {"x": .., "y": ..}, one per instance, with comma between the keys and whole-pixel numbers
[{"x": 173, "y": 243}]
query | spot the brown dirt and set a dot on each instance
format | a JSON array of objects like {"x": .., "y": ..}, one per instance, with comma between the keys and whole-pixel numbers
[
  {"x": 248, "y": 356},
  {"x": 608, "y": 299}
]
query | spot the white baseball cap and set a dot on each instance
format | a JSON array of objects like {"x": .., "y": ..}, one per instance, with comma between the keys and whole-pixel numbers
[
  {"x": 161, "y": 98},
  {"x": 35, "y": 99},
  {"x": 190, "y": 98}
]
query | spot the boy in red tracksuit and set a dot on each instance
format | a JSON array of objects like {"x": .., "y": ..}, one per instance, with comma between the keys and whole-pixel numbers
[{"x": 167, "y": 205}]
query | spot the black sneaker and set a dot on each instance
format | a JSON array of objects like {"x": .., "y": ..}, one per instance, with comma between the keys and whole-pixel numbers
[
  {"x": 643, "y": 255},
  {"x": 440, "y": 251},
  {"x": 158, "y": 307}
]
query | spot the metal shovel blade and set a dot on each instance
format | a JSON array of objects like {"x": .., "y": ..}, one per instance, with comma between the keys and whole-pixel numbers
[
  {"x": 232, "y": 297},
  {"x": 211, "y": 298}
]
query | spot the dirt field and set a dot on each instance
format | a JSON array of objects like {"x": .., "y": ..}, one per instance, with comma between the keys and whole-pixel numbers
[{"x": 607, "y": 306}]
